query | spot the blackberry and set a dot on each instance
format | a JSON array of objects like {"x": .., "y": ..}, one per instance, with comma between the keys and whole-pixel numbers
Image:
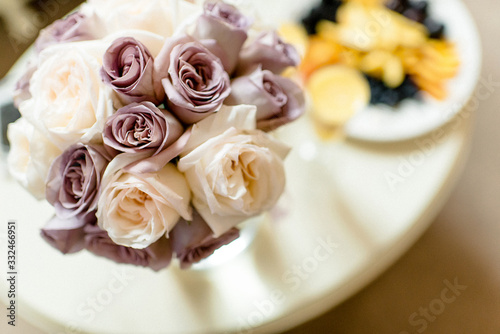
[
  {"x": 377, "y": 89},
  {"x": 418, "y": 11},
  {"x": 436, "y": 29},
  {"x": 327, "y": 10},
  {"x": 421, "y": 6},
  {"x": 382, "y": 94},
  {"x": 390, "y": 97},
  {"x": 398, "y": 5},
  {"x": 415, "y": 14},
  {"x": 408, "y": 89},
  {"x": 310, "y": 21},
  {"x": 414, "y": 10}
]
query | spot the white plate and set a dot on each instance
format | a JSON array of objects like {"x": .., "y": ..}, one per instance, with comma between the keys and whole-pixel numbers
[{"x": 415, "y": 118}]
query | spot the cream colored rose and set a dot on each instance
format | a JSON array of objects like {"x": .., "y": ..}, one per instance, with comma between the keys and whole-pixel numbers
[
  {"x": 137, "y": 210},
  {"x": 69, "y": 102},
  {"x": 161, "y": 17},
  {"x": 234, "y": 171},
  {"x": 30, "y": 156}
]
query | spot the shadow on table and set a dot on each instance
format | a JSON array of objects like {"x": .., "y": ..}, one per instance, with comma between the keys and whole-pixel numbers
[{"x": 441, "y": 279}]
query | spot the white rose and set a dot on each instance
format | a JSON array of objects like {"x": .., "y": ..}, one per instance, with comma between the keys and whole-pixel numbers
[
  {"x": 69, "y": 102},
  {"x": 30, "y": 156},
  {"x": 234, "y": 171},
  {"x": 137, "y": 210},
  {"x": 157, "y": 16}
]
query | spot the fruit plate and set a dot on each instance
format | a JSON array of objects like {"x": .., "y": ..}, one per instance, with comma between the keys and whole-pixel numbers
[{"x": 413, "y": 118}]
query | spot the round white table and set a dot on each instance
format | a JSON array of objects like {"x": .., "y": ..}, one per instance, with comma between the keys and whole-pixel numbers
[{"x": 350, "y": 209}]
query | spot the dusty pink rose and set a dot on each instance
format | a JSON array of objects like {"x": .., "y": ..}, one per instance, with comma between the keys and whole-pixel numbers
[
  {"x": 156, "y": 256},
  {"x": 278, "y": 100},
  {"x": 270, "y": 52},
  {"x": 193, "y": 241},
  {"x": 128, "y": 67},
  {"x": 225, "y": 24},
  {"x": 74, "y": 27},
  {"x": 143, "y": 128},
  {"x": 194, "y": 79},
  {"x": 74, "y": 181}
]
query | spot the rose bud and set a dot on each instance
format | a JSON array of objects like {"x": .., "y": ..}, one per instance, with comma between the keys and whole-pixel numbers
[
  {"x": 225, "y": 24},
  {"x": 74, "y": 180},
  {"x": 75, "y": 27},
  {"x": 156, "y": 256},
  {"x": 193, "y": 241},
  {"x": 269, "y": 51},
  {"x": 128, "y": 67},
  {"x": 194, "y": 79},
  {"x": 278, "y": 100}
]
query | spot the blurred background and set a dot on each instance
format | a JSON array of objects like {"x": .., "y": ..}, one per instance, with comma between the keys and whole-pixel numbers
[
  {"x": 461, "y": 248},
  {"x": 20, "y": 22}
]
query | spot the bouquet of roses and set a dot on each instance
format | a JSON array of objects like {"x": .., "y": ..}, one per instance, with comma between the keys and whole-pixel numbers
[{"x": 145, "y": 124}]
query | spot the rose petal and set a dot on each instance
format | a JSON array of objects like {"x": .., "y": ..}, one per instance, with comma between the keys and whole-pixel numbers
[
  {"x": 193, "y": 241},
  {"x": 158, "y": 161},
  {"x": 157, "y": 256},
  {"x": 270, "y": 52},
  {"x": 67, "y": 235}
]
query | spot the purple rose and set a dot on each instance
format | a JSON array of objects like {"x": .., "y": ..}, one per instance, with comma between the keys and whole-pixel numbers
[
  {"x": 269, "y": 51},
  {"x": 225, "y": 24},
  {"x": 128, "y": 67},
  {"x": 194, "y": 79},
  {"x": 279, "y": 100},
  {"x": 74, "y": 180},
  {"x": 143, "y": 128},
  {"x": 67, "y": 235},
  {"x": 156, "y": 256},
  {"x": 74, "y": 27},
  {"x": 194, "y": 241}
]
